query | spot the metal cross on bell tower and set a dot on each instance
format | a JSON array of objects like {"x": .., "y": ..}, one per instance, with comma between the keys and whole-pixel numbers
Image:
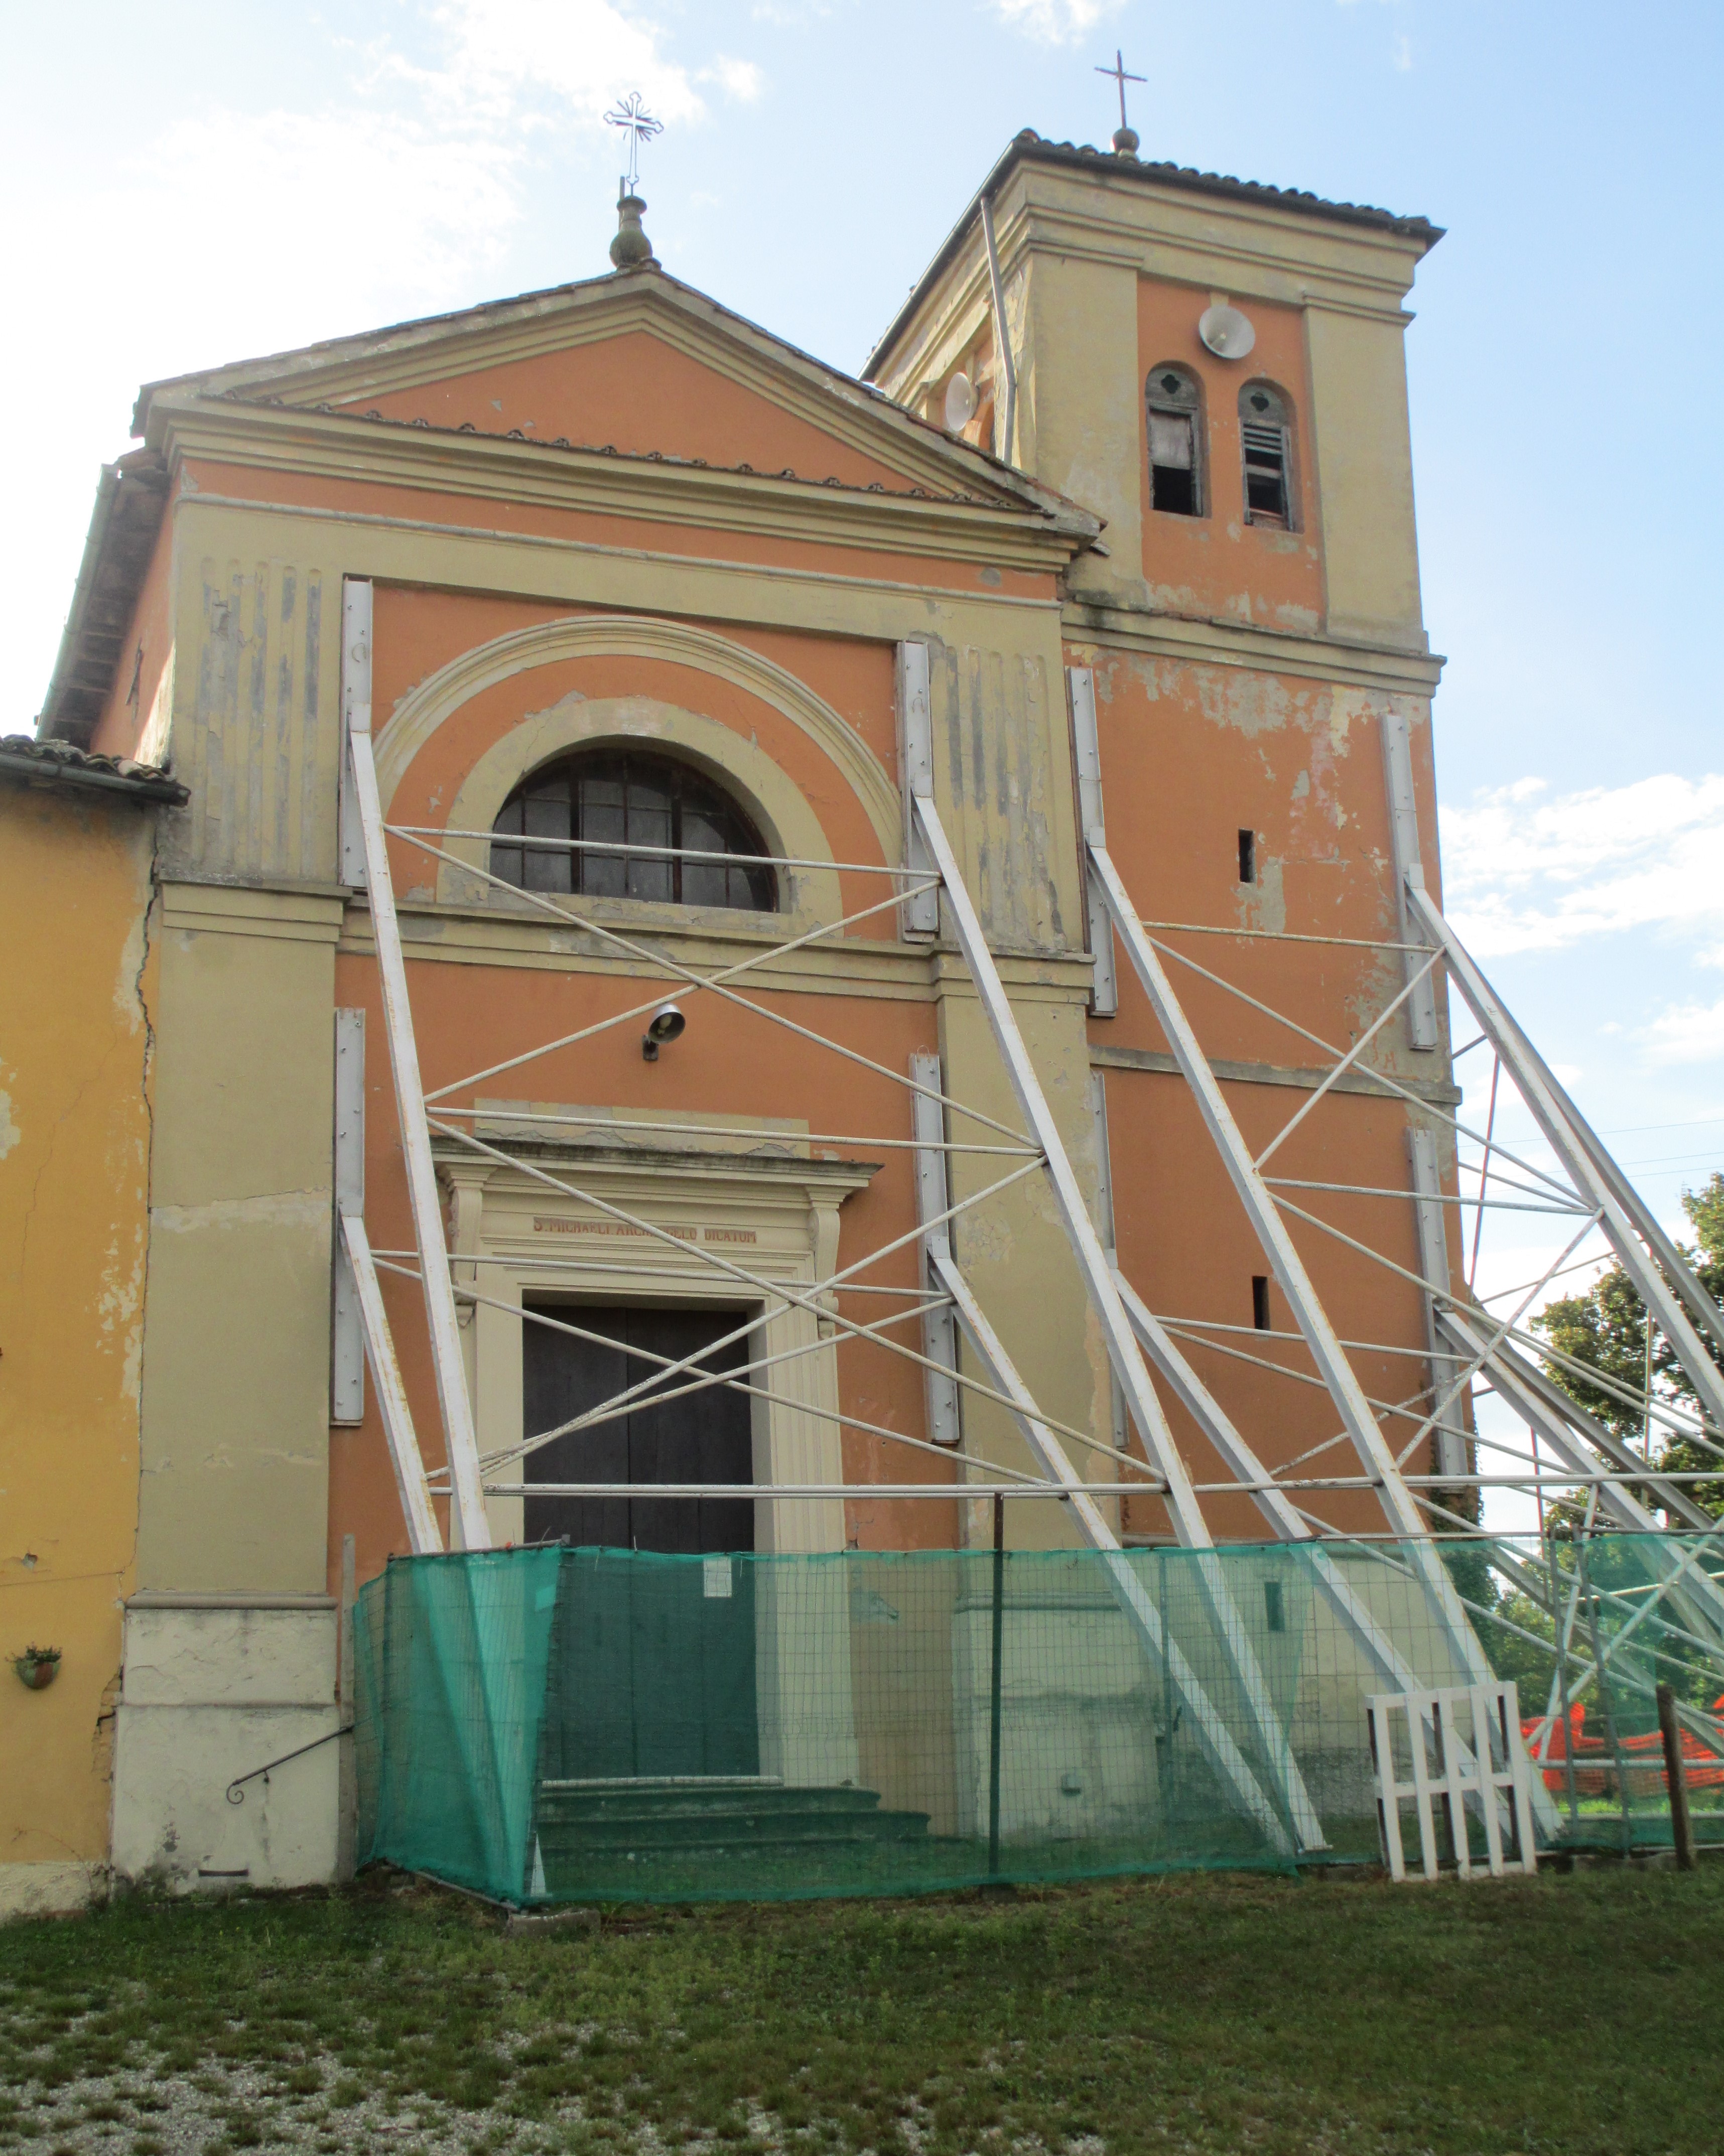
[{"x": 1124, "y": 140}]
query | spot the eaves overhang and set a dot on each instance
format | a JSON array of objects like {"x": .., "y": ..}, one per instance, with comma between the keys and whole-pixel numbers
[
  {"x": 129, "y": 501},
  {"x": 28, "y": 760},
  {"x": 1029, "y": 148}
]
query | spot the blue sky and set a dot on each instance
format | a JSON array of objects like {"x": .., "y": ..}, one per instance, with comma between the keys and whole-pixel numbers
[{"x": 187, "y": 188}]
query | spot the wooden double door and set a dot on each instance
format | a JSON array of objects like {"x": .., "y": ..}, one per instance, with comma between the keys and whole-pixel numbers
[{"x": 652, "y": 1670}]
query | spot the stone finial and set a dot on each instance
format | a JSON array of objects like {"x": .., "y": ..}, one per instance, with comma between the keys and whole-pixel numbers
[
  {"x": 631, "y": 248},
  {"x": 1124, "y": 141}
]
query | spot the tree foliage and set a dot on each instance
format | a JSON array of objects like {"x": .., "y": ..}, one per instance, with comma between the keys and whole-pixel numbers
[{"x": 1605, "y": 1329}]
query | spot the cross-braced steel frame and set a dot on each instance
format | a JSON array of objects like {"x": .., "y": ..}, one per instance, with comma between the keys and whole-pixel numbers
[{"x": 1467, "y": 1344}]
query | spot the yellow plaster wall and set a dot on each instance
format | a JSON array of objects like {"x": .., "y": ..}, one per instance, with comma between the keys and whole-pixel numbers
[{"x": 75, "y": 1152}]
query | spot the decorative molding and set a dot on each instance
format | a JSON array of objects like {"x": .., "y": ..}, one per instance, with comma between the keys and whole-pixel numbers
[
  {"x": 775, "y": 1218},
  {"x": 1091, "y": 625},
  {"x": 343, "y": 450},
  {"x": 1434, "y": 1091},
  {"x": 419, "y": 714}
]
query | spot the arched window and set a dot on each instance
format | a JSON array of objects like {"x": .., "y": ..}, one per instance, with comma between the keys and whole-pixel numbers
[
  {"x": 649, "y": 826},
  {"x": 1174, "y": 407},
  {"x": 1267, "y": 442}
]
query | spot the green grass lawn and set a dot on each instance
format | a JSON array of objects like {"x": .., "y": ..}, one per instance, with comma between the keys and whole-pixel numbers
[{"x": 1572, "y": 2014}]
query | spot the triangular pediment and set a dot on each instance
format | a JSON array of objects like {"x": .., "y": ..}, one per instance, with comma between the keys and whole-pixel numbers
[{"x": 636, "y": 363}]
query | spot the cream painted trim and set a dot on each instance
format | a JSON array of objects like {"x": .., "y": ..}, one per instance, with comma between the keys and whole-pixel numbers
[
  {"x": 778, "y": 1219},
  {"x": 419, "y": 714},
  {"x": 1103, "y": 1057},
  {"x": 795, "y": 510},
  {"x": 1089, "y": 626},
  {"x": 788, "y": 825},
  {"x": 845, "y": 966},
  {"x": 717, "y": 574}
]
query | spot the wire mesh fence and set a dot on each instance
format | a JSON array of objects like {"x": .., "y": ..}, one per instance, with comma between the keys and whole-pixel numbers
[{"x": 554, "y": 1724}]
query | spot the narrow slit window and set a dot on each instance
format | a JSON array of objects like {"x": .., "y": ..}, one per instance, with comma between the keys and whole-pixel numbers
[
  {"x": 1275, "y": 1607},
  {"x": 1248, "y": 857},
  {"x": 1260, "y": 1301},
  {"x": 1265, "y": 442},
  {"x": 1173, "y": 412}
]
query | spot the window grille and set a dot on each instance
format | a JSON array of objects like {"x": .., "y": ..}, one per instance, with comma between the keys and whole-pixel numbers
[{"x": 645, "y": 827}]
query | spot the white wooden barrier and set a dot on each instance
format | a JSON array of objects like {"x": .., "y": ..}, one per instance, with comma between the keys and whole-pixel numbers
[{"x": 1462, "y": 1742}]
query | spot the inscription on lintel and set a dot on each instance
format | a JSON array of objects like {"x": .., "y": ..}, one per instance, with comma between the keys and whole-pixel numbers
[{"x": 547, "y": 1224}]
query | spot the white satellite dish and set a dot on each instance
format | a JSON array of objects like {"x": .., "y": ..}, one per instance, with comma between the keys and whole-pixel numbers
[
  {"x": 961, "y": 402},
  {"x": 1227, "y": 333}
]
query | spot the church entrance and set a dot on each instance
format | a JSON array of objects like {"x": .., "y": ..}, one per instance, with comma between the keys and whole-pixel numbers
[{"x": 656, "y": 1666}]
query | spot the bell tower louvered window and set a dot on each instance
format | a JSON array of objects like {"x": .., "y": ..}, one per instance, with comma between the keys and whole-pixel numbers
[
  {"x": 1265, "y": 439},
  {"x": 1174, "y": 411}
]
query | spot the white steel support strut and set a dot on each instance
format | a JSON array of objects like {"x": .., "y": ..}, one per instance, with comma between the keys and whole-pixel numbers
[
  {"x": 939, "y": 1340},
  {"x": 1142, "y": 1404},
  {"x": 1218, "y": 1741},
  {"x": 467, "y": 1497},
  {"x": 1260, "y": 1208},
  {"x": 1122, "y": 1351},
  {"x": 1561, "y": 1435},
  {"x": 1554, "y": 1114},
  {"x": 1286, "y": 1522},
  {"x": 1450, "y": 1431},
  {"x": 404, "y": 1456},
  {"x": 1358, "y": 1422},
  {"x": 1422, "y": 1031},
  {"x": 1086, "y": 744}
]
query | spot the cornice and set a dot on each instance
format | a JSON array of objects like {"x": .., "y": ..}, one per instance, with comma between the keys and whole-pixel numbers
[
  {"x": 1215, "y": 642},
  {"x": 338, "y": 448},
  {"x": 1120, "y": 195},
  {"x": 773, "y": 1176},
  {"x": 1438, "y": 1092},
  {"x": 808, "y": 578},
  {"x": 443, "y": 934},
  {"x": 437, "y": 348}
]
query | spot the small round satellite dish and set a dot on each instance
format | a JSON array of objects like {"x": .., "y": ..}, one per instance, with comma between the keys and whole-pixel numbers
[
  {"x": 961, "y": 402},
  {"x": 1227, "y": 333}
]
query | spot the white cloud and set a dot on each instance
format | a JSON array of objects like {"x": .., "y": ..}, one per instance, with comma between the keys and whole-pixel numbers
[
  {"x": 1685, "y": 1033},
  {"x": 1055, "y": 22},
  {"x": 1525, "y": 871},
  {"x": 741, "y": 79}
]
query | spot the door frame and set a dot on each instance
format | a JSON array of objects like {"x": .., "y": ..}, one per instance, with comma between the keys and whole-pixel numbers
[{"x": 778, "y": 1217}]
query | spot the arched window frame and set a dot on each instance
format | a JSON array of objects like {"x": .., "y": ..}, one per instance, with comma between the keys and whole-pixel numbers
[
  {"x": 654, "y": 797},
  {"x": 1174, "y": 421},
  {"x": 1266, "y": 447}
]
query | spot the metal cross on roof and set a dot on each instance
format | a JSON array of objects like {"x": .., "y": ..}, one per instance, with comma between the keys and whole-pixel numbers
[
  {"x": 638, "y": 124},
  {"x": 1118, "y": 72}
]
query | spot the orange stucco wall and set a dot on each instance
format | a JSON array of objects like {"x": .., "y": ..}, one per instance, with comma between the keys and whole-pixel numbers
[
  {"x": 1191, "y": 756},
  {"x": 125, "y": 715},
  {"x": 635, "y": 392}
]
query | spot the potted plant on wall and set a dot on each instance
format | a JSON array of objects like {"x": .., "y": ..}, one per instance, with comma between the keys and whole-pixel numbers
[{"x": 37, "y": 1667}]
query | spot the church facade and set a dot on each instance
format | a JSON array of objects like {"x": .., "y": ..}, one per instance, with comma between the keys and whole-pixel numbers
[{"x": 633, "y": 596}]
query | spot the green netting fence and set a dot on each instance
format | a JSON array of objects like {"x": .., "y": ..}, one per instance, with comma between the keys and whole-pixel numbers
[{"x": 550, "y": 1724}]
